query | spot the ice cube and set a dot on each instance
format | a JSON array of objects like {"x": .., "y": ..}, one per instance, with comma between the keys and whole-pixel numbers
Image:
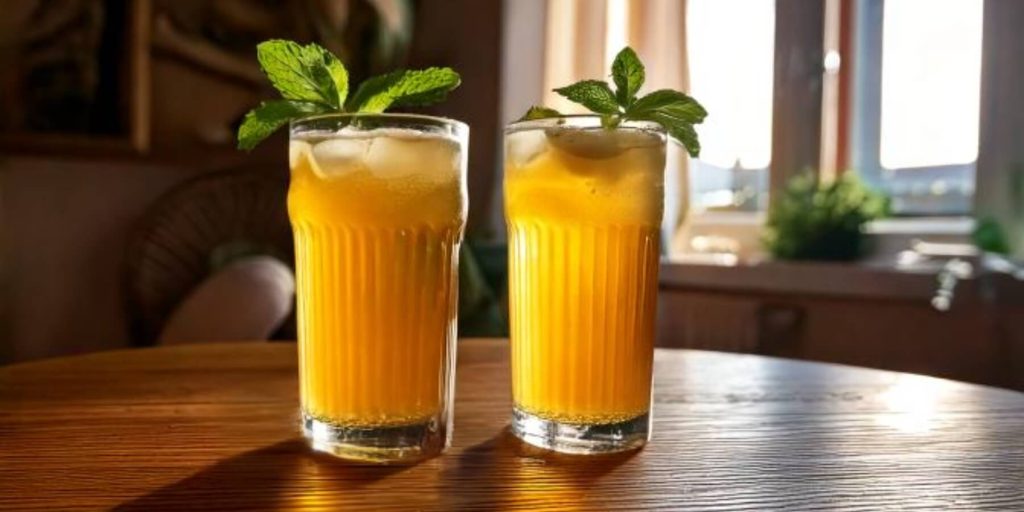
[
  {"x": 297, "y": 150},
  {"x": 599, "y": 143},
  {"x": 339, "y": 156},
  {"x": 522, "y": 147},
  {"x": 425, "y": 157}
]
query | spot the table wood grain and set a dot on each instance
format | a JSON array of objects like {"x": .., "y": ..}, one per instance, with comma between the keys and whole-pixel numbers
[{"x": 214, "y": 427}]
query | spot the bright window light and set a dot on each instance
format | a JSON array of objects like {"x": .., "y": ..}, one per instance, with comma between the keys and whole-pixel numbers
[
  {"x": 931, "y": 69},
  {"x": 617, "y": 21},
  {"x": 731, "y": 47}
]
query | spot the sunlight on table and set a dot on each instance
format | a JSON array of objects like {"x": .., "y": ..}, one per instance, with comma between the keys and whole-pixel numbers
[{"x": 912, "y": 402}]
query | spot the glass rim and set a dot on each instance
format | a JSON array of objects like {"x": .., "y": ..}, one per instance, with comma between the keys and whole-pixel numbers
[
  {"x": 581, "y": 121},
  {"x": 458, "y": 127}
]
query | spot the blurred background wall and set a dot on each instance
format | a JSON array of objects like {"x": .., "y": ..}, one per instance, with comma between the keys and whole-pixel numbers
[{"x": 70, "y": 200}]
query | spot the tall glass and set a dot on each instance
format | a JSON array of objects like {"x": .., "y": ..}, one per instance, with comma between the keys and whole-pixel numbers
[
  {"x": 583, "y": 206},
  {"x": 378, "y": 207}
]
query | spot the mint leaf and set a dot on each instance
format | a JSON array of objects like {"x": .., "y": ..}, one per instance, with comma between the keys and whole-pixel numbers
[
  {"x": 404, "y": 87},
  {"x": 304, "y": 73},
  {"x": 674, "y": 110},
  {"x": 678, "y": 128},
  {"x": 593, "y": 94},
  {"x": 338, "y": 73},
  {"x": 539, "y": 112},
  {"x": 628, "y": 74},
  {"x": 677, "y": 104},
  {"x": 265, "y": 119},
  {"x": 686, "y": 134}
]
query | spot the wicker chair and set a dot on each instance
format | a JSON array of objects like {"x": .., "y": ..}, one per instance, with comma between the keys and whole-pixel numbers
[{"x": 192, "y": 232}]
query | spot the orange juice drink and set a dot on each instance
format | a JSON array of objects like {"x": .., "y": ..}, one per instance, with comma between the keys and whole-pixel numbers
[
  {"x": 584, "y": 207},
  {"x": 378, "y": 207}
]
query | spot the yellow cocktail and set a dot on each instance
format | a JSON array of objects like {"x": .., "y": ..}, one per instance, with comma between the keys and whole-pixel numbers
[
  {"x": 378, "y": 207},
  {"x": 584, "y": 206}
]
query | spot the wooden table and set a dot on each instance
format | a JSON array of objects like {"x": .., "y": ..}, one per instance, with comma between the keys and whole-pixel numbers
[{"x": 215, "y": 427}]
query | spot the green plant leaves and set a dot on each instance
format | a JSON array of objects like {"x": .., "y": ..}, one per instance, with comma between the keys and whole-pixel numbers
[
  {"x": 537, "y": 112},
  {"x": 265, "y": 119},
  {"x": 304, "y": 73},
  {"x": 674, "y": 110},
  {"x": 628, "y": 74},
  {"x": 593, "y": 94},
  {"x": 673, "y": 103},
  {"x": 816, "y": 221},
  {"x": 989, "y": 236},
  {"x": 404, "y": 87},
  {"x": 677, "y": 128},
  {"x": 312, "y": 80}
]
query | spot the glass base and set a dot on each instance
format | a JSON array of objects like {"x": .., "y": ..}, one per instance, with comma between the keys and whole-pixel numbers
[
  {"x": 406, "y": 443},
  {"x": 580, "y": 438}
]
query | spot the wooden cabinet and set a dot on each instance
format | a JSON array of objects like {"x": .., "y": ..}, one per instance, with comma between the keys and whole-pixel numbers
[{"x": 844, "y": 314}]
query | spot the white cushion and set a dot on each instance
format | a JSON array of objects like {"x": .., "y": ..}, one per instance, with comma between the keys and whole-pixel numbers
[{"x": 246, "y": 300}]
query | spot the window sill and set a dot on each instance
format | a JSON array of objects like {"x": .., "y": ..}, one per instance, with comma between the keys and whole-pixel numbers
[
  {"x": 991, "y": 285},
  {"x": 923, "y": 226},
  {"x": 826, "y": 280},
  {"x": 735, "y": 237}
]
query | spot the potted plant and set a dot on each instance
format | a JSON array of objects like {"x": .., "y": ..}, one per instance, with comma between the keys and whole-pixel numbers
[{"x": 813, "y": 220}]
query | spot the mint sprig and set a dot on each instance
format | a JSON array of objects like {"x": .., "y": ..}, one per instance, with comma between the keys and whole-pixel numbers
[
  {"x": 304, "y": 73},
  {"x": 312, "y": 80},
  {"x": 628, "y": 74},
  {"x": 674, "y": 110},
  {"x": 404, "y": 88},
  {"x": 593, "y": 94},
  {"x": 265, "y": 119}
]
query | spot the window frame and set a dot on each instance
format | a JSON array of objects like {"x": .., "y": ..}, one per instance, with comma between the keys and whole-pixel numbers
[{"x": 798, "y": 87}]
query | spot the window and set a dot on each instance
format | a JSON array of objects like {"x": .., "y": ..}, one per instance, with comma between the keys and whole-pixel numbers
[
  {"x": 887, "y": 88},
  {"x": 731, "y": 59},
  {"x": 916, "y": 102}
]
